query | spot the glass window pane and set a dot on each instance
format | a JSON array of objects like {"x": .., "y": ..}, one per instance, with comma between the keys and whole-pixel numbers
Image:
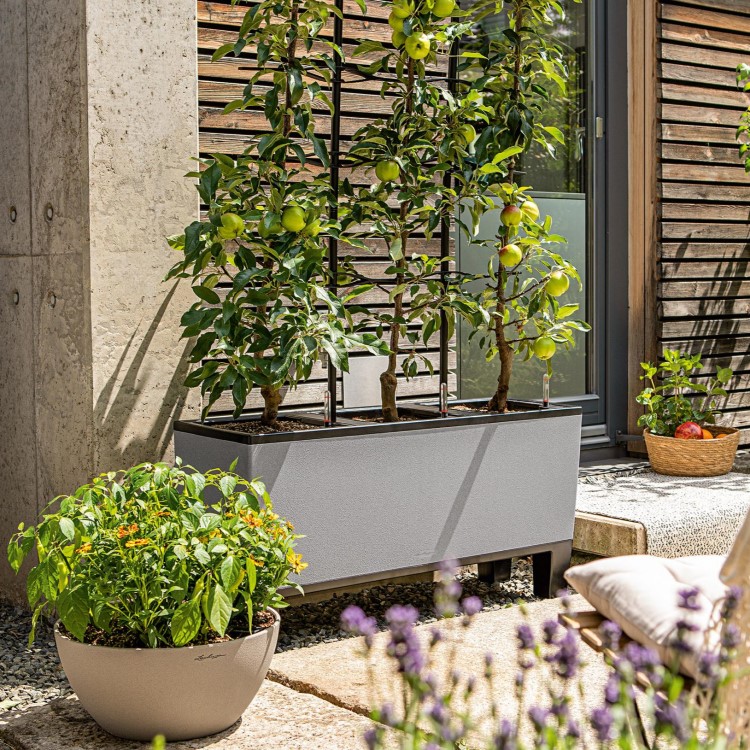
[{"x": 560, "y": 189}]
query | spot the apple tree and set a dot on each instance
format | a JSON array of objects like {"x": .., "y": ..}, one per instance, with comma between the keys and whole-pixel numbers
[
  {"x": 413, "y": 154},
  {"x": 517, "y": 73},
  {"x": 264, "y": 314}
]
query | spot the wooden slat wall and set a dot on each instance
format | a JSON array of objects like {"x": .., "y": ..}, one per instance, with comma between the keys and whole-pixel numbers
[
  {"x": 222, "y": 81},
  {"x": 704, "y": 222}
]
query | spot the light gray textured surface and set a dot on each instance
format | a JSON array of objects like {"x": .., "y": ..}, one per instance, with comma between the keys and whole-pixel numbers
[
  {"x": 98, "y": 125},
  {"x": 375, "y": 503}
]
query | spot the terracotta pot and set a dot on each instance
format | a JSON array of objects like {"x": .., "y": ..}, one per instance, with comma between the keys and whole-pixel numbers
[{"x": 182, "y": 693}]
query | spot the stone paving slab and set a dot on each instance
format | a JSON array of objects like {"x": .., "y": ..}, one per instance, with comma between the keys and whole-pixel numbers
[
  {"x": 338, "y": 672},
  {"x": 277, "y": 718}
]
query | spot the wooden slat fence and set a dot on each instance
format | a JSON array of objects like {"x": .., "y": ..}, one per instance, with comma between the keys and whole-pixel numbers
[{"x": 704, "y": 223}]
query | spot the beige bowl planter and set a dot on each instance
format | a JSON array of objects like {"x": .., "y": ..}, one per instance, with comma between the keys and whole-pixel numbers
[
  {"x": 182, "y": 693},
  {"x": 693, "y": 458}
]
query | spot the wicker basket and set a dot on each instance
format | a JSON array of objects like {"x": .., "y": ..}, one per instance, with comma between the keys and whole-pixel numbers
[{"x": 693, "y": 458}]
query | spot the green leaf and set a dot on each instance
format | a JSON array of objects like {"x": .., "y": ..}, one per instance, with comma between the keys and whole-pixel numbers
[
  {"x": 219, "y": 609},
  {"x": 73, "y": 608},
  {"x": 227, "y": 484},
  {"x": 506, "y": 154},
  {"x": 68, "y": 529},
  {"x": 206, "y": 294},
  {"x": 186, "y": 622},
  {"x": 252, "y": 575},
  {"x": 229, "y": 573}
]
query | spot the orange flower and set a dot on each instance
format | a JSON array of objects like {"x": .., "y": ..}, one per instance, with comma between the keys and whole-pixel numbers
[
  {"x": 252, "y": 521},
  {"x": 83, "y": 549},
  {"x": 163, "y": 514},
  {"x": 136, "y": 543},
  {"x": 295, "y": 561},
  {"x": 124, "y": 531},
  {"x": 257, "y": 563}
]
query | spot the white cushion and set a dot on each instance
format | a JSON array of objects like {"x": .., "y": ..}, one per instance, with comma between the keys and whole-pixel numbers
[{"x": 641, "y": 594}]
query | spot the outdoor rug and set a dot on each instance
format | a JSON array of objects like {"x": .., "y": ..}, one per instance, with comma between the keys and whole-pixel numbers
[{"x": 682, "y": 515}]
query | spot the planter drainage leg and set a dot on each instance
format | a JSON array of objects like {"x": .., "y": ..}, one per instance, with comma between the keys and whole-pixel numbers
[
  {"x": 495, "y": 571},
  {"x": 549, "y": 568}
]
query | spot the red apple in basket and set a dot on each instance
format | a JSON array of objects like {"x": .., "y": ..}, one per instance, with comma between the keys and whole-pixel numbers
[{"x": 689, "y": 431}]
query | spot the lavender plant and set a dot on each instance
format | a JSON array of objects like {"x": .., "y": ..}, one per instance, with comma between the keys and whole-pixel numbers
[{"x": 437, "y": 714}]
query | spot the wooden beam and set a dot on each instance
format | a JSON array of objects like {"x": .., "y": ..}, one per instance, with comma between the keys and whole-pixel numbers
[{"x": 643, "y": 200}]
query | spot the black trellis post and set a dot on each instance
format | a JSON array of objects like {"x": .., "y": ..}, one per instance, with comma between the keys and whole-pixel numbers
[
  {"x": 445, "y": 229},
  {"x": 333, "y": 245}
]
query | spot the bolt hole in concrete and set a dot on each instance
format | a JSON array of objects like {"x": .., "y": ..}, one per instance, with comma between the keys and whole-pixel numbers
[
  {"x": 51, "y": 299},
  {"x": 49, "y": 212},
  {"x": 16, "y": 300},
  {"x": 13, "y": 215}
]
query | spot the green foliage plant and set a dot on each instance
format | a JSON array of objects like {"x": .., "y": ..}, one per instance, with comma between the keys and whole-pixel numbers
[
  {"x": 676, "y": 396},
  {"x": 268, "y": 214},
  {"x": 518, "y": 72},
  {"x": 743, "y": 131},
  {"x": 158, "y": 556}
]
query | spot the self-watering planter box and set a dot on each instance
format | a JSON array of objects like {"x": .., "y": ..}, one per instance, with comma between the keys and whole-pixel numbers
[{"x": 381, "y": 500}]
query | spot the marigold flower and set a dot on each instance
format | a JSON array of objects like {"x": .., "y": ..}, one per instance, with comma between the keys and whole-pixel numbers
[
  {"x": 84, "y": 548},
  {"x": 136, "y": 543},
  {"x": 124, "y": 531}
]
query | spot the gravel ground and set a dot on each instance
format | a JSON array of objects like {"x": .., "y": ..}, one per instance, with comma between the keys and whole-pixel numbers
[
  {"x": 307, "y": 624},
  {"x": 33, "y": 676},
  {"x": 28, "y": 676}
]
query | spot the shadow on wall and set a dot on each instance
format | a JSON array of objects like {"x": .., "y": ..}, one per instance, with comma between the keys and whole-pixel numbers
[{"x": 132, "y": 425}]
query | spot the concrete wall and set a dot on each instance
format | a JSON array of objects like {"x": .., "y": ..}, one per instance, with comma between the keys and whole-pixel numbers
[{"x": 98, "y": 124}]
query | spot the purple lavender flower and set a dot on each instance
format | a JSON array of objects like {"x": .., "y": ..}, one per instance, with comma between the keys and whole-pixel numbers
[
  {"x": 731, "y": 636},
  {"x": 471, "y": 605},
  {"x": 550, "y": 629},
  {"x": 672, "y": 716},
  {"x": 526, "y": 636},
  {"x": 539, "y": 716},
  {"x": 573, "y": 729},
  {"x": 603, "y": 723},
  {"x": 404, "y": 644},
  {"x": 611, "y": 634},
  {"x": 688, "y": 599},
  {"x": 448, "y": 568},
  {"x": 354, "y": 620},
  {"x": 731, "y": 602},
  {"x": 709, "y": 670},
  {"x": 505, "y": 737},
  {"x": 565, "y": 656},
  {"x": 436, "y": 636},
  {"x": 612, "y": 690},
  {"x": 371, "y": 738},
  {"x": 447, "y": 594},
  {"x": 387, "y": 715},
  {"x": 679, "y": 641}
]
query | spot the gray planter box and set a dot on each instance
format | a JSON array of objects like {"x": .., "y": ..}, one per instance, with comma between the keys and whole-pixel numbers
[{"x": 383, "y": 500}]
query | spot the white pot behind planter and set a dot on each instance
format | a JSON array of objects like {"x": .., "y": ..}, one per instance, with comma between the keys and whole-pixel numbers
[{"x": 182, "y": 693}]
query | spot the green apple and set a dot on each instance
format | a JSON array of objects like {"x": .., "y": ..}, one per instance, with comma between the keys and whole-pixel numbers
[
  {"x": 293, "y": 219},
  {"x": 396, "y": 23},
  {"x": 530, "y": 210},
  {"x": 418, "y": 46},
  {"x": 443, "y": 8},
  {"x": 510, "y": 216},
  {"x": 398, "y": 38},
  {"x": 544, "y": 347},
  {"x": 557, "y": 284},
  {"x": 403, "y": 8},
  {"x": 467, "y": 133},
  {"x": 511, "y": 255},
  {"x": 232, "y": 226},
  {"x": 387, "y": 170}
]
